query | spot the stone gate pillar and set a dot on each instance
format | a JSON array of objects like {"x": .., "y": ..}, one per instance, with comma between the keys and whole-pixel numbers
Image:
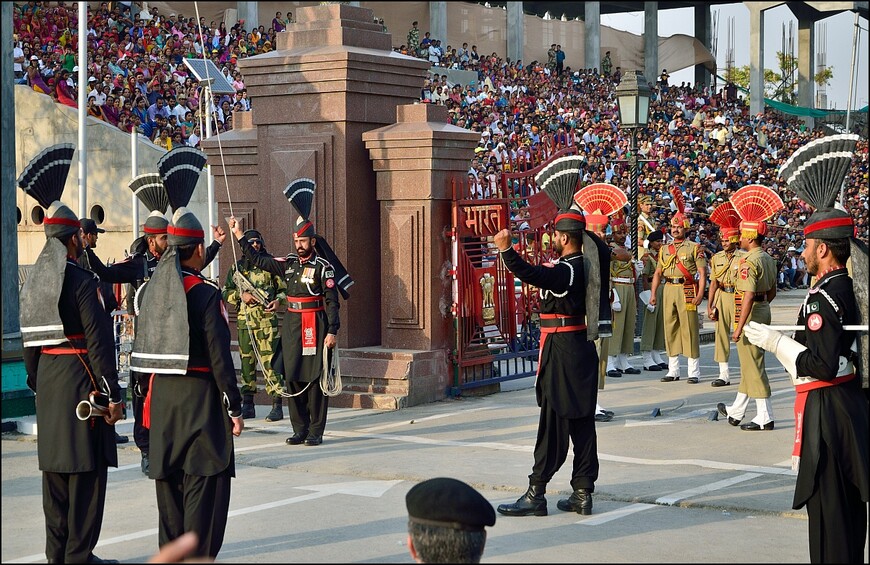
[
  {"x": 333, "y": 77},
  {"x": 415, "y": 159}
]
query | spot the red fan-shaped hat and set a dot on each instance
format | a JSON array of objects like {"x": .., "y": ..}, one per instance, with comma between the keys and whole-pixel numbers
[
  {"x": 600, "y": 201},
  {"x": 728, "y": 220},
  {"x": 755, "y": 204},
  {"x": 679, "y": 218}
]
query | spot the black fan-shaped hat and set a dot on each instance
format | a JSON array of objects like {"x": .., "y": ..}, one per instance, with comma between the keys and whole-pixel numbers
[
  {"x": 816, "y": 171},
  {"x": 559, "y": 180},
  {"x": 180, "y": 170},
  {"x": 300, "y": 193},
  {"x": 150, "y": 191},
  {"x": 44, "y": 179}
]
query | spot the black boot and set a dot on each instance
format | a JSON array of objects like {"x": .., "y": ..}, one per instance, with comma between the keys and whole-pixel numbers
[
  {"x": 580, "y": 502},
  {"x": 531, "y": 503},
  {"x": 277, "y": 412},
  {"x": 248, "y": 411}
]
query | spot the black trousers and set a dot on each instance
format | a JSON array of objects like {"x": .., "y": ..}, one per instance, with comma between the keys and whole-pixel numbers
[
  {"x": 551, "y": 448},
  {"x": 308, "y": 410},
  {"x": 837, "y": 515},
  {"x": 192, "y": 503},
  {"x": 140, "y": 432},
  {"x": 73, "y": 505}
]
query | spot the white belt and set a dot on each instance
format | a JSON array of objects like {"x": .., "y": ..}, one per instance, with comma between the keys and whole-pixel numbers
[{"x": 625, "y": 280}]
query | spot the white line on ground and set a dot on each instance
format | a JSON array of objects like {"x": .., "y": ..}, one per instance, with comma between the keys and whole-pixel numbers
[
  {"x": 672, "y": 419},
  {"x": 426, "y": 419},
  {"x": 676, "y": 497},
  {"x": 615, "y": 514}
]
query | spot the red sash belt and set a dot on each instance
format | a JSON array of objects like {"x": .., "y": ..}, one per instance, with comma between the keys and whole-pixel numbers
[
  {"x": 64, "y": 351},
  {"x": 146, "y": 406},
  {"x": 555, "y": 329},
  {"x": 307, "y": 307},
  {"x": 800, "y": 403}
]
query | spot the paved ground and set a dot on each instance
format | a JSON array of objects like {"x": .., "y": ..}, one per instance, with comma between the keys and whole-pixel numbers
[{"x": 676, "y": 488}]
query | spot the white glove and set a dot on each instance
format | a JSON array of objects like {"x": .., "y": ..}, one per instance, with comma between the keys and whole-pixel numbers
[
  {"x": 785, "y": 348},
  {"x": 616, "y": 304},
  {"x": 651, "y": 307},
  {"x": 761, "y": 335}
]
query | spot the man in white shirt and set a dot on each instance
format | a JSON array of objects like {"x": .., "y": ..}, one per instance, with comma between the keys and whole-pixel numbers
[
  {"x": 18, "y": 59},
  {"x": 98, "y": 93},
  {"x": 180, "y": 110}
]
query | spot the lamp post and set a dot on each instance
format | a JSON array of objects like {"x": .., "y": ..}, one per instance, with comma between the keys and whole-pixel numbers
[{"x": 632, "y": 102}]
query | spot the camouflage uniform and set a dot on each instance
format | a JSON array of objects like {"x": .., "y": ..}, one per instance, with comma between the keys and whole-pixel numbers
[
  {"x": 413, "y": 40},
  {"x": 264, "y": 326}
]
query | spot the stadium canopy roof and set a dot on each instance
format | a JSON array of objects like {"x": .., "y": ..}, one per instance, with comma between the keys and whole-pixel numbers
[{"x": 811, "y": 10}]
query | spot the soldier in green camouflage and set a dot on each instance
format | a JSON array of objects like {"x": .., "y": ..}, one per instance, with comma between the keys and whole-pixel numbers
[{"x": 257, "y": 327}]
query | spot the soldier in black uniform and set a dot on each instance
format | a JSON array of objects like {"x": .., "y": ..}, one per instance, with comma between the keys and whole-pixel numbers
[
  {"x": 136, "y": 270},
  {"x": 310, "y": 324},
  {"x": 68, "y": 355},
  {"x": 567, "y": 383},
  {"x": 831, "y": 444},
  {"x": 193, "y": 408}
]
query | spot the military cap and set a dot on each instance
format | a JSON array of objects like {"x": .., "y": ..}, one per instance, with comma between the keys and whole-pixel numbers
[
  {"x": 830, "y": 223},
  {"x": 656, "y": 235},
  {"x": 303, "y": 228},
  {"x": 185, "y": 228},
  {"x": 90, "y": 226},
  {"x": 449, "y": 503}
]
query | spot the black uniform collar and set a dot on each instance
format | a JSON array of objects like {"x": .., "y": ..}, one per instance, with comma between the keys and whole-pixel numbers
[
  {"x": 570, "y": 256},
  {"x": 191, "y": 271},
  {"x": 831, "y": 274}
]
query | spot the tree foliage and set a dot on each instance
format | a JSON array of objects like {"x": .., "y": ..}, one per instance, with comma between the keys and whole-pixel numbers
[{"x": 782, "y": 85}]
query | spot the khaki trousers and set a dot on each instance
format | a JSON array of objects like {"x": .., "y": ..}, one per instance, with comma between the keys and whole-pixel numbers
[
  {"x": 724, "y": 326},
  {"x": 681, "y": 325},
  {"x": 754, "y": 382}
]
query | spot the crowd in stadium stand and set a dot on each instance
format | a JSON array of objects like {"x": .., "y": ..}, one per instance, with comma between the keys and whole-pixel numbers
[
  {"x": 707, "y": 143},
  {"x": 136, "y": 75}
]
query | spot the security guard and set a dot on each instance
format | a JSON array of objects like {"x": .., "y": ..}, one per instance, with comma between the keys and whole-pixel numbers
[
  {"x": 755, "y": 288},
  {"x": 682, "y": 267},
  {"x": 652, "y": 337},
  {"x": 257, "y": 328},
  {"x": 622, "y": 278},
  {"x": 723, "y": 278},
  {"x": 645, "y": 224}
]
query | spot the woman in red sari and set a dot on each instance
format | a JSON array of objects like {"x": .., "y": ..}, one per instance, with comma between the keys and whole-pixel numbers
[{"x": 63, "y": 91}]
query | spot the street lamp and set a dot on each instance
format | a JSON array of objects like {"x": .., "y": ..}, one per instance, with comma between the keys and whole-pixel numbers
[{"x": 632, "y": 102}]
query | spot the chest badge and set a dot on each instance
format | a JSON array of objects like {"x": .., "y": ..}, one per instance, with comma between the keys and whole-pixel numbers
[{"x": 307, "y": 275}]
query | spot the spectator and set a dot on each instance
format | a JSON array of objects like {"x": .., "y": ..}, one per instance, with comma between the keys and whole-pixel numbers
[
  {"x": 278, "y": 22},
  {"x": 414, "y": 38},
  {"x": 606, "y": 64}
]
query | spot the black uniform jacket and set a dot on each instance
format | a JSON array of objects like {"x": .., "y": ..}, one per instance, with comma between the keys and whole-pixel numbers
[
  {"x": 836, "y": 416},
  {"x": 305, "y": 279},
  {"x": 568, "y": 367},
  {"x": 67, "y": 444},
  {"x": 191, "y": 428},
  {"x": 137, "y": 268}
]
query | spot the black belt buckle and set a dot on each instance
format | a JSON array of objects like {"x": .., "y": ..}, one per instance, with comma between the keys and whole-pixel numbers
[{"x": 562, "y": 322}]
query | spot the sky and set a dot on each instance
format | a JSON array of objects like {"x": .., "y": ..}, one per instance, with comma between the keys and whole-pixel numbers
[{"x": 840, "y": 31}]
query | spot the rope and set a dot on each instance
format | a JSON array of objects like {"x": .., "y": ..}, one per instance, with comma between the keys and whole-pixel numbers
[{"x": 330, "y": 380}]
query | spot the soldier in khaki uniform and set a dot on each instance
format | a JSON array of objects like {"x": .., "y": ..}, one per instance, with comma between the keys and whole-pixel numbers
[
  {"x": 723, "y": 275},
  {"x": 755, "y": 288},
  {"x": 645, "y": 224},
  {"x": 652, "y": 337},
  {"x": 682, "y": 268},
  {"x": 621, "y": 343},
  {"x": 257, "y": 329}
]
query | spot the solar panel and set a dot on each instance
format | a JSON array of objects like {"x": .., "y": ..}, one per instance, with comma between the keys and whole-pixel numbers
[{"x": 204, "y": 69}]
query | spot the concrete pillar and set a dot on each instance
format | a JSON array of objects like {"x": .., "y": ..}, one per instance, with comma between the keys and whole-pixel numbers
[
  {"x": 756, "y": 58},
  {"x": 806, "y": 66},
  {"x": 592, "y": 39},
  {"x": 11, "y": 327},
  {"x": 516, "y": 33},
  {"x": 248, "y": 11},
  {"x": 438, "y": 22},
  {"x": 704, "y": 34},
  {"x": 651, "y": 41},
  {"x": 415, "y": 161}
]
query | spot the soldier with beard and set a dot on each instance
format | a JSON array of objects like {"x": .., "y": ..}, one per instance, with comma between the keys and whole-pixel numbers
[{"x": 310, "y": 324}]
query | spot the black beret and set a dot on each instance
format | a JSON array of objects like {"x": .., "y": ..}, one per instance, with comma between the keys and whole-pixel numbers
[
  {"x": 449, "y": 503},
  {"x": 656, "y": 235}
]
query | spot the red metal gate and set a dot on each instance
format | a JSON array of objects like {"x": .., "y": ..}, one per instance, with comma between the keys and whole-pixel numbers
[{"x": 495, "y": 316}]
